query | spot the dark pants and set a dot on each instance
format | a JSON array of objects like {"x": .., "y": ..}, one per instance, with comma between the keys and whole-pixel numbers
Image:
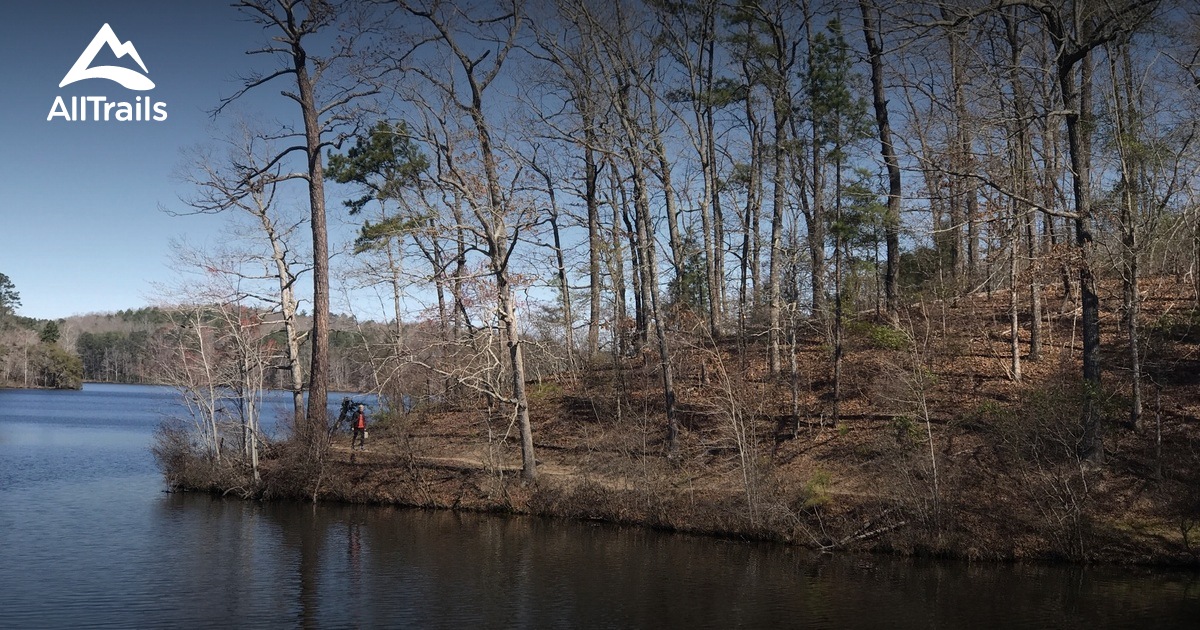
[{"x": 361, "y": 436}]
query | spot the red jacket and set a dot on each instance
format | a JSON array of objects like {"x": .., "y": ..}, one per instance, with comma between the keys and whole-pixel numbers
[{"x": 360, "y": 420}]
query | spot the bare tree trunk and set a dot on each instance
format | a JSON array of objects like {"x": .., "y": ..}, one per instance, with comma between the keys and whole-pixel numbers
[
  {"x": 838, "y": 328},
  {"x": 648, "y": 257},
  {"x": 561, "y": 268},
  {"x": 1022, "y": 161},
  {"x": 636, "y": 272},
  {"x": 716, "y": 288},
  {"x": 438, "y": 261},
  {"x": 872, "y": 33},
  {"x": 516, "y": 356},
  {"x": 780, "y": 67},
  {"x": 753, "y": 209},
  {"x": 1077, "y": 101},
  {"x": 595, "y": 243},
  {"x": 1054, "y": 197},
  {"x": 675, "y": 238},
  {"x": 775, "y": 274},
  {"x": 461, "y": 320},
  {"x": 815, "y": 211},
  {"x": 290, "y": 22},
  {"x": 714, "y": 245},
  {"x": 498, "y": 246},
  {"x": 491, "y": 213},
  {"x": 318, "y": 372},
  {"x": 1013, "y": 295},
  {"x": 287, "y": 307},
  {"x": 253, "y": 413},
  {"x": 958, "y": 158},
  {"x": 1131, "y": 184},
  {"x": 1133, "y": 301},
  {"x": 1033, "y": 244},
  {"x": 617, "y": 266},
  {"x": 564, "y": 286}
]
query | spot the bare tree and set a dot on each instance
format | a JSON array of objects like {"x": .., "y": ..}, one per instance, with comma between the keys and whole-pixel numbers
[
  {"x": 873, "y": 35},
  {"x": 1022, "y": 160},
  {"x": 220, "y": 186},
  {"x": 1075, "y": 32},
  {"x": 219, "y": 349},
  {"x": 771, "y": 51},
  {"x": 1151, "y": 159},
  {"x": 626, "y": 72},
  {"x": 690, "y": 35},
  {"x": 564, "y": 286},
  {"x": 564, "y": 43},
  {"x": 293, "y": 25},
  {"x": 478, "y": 46}
]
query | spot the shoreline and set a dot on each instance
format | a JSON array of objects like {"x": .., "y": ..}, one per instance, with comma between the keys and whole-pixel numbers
[{"x": 844, "y": 522}]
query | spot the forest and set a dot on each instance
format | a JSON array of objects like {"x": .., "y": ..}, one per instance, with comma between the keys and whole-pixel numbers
[
  {"x": 31, "y": 354},
  {"x": 836, "y": 272}
]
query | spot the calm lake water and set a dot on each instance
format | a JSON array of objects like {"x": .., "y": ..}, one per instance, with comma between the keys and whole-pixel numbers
[{"x": 89, "y": 539}]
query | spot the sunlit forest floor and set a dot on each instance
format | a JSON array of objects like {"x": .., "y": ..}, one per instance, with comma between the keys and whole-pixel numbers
[{"x": 936, "y": 448}]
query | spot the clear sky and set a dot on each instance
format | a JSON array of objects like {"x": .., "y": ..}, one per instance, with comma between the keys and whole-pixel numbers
[{"x": 81, "y": 222}]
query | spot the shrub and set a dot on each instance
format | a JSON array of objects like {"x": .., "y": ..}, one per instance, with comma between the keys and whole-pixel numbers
[
  {"x": 878, "y": 336},
  {"x": 1176, "y": 326},
  {"x": 908, "y": 432},
  {"x": 816, "y": 490}
]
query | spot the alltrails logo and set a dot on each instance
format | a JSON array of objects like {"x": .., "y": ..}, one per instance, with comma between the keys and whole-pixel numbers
[{"x": 99, "y": 107}]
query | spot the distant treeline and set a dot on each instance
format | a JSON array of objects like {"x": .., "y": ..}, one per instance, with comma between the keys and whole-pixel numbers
[
  {"x": 31, "y": 352},
  {"x": 116, "y": 357},
  {"x": 131, "y": 346}
]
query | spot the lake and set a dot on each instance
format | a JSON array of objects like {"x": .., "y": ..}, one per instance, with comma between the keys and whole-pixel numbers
[{"x": 88, "y": 538}]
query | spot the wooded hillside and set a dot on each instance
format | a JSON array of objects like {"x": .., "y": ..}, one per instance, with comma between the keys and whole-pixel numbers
[{"x": 783, "y": 219}]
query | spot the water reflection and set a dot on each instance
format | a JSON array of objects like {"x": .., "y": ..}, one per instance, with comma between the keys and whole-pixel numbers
[
  {"x": 87, "y": 538},
  {"x": 354, "y": 566}
]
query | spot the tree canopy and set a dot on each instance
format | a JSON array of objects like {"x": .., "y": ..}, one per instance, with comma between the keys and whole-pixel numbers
[{"x": 9, "y": 298}]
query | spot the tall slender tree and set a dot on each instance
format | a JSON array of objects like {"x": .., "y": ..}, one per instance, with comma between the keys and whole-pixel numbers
[
  {"x": 838, "y": 118},
  {"x": 873, "y": 35},
  {"x": 1075, "y": 31},
  {"x": 478, "y": 45},
  {"x": 294, "y": 25},
  {"x": 10, "y": 299}
]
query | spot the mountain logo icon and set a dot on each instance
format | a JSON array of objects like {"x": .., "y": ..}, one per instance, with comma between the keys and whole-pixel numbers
[{"x": 130, "y": 79}]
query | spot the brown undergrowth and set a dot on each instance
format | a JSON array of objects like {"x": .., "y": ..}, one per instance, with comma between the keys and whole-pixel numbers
[{"x": 936, "y": 450}]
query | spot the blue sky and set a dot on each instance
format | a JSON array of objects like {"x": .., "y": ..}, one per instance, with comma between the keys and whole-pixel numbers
[{"x": 81, "y": 222}]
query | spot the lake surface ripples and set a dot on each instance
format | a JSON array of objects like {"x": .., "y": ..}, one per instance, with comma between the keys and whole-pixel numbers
[{"x": 88, "y": 539}]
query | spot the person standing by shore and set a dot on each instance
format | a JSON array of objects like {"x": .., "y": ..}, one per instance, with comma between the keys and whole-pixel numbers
[{"x": 358, "y": 424}]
